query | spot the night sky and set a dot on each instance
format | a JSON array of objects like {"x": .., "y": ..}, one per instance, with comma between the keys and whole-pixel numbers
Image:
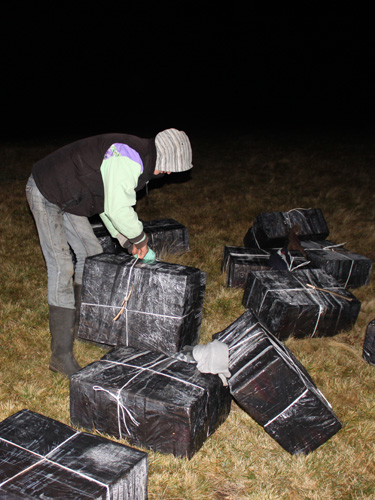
[{"x": 85, "y": 69}]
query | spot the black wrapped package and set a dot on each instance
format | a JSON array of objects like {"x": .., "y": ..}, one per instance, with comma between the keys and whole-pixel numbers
[
  {"x": 109, "y": 244},
  {"x": 350, "y": 269},
  {"x": 305, "y": 303},
  {"x": 166, "y": 236},
  {"x": 274, "y": 388},
  {"x": 150, "y": 399},
  {"x": 239, "y": 261},
  {"x": 271, "y": 229},
  {"x": 369, "y": 344},
  {"x": 157, "y": 306},
  {"x": 43, "y": 458}
]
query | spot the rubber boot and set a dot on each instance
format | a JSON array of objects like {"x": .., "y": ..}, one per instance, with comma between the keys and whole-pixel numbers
[
  {"x": 61, "y": 324},
  {"x": 77, "y": 298}
]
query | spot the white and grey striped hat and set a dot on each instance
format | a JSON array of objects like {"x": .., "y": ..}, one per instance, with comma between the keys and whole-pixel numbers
[{"x": 173, "y": 151}]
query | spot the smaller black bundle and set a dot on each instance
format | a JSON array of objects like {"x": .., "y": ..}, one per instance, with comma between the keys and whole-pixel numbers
[
  {"x": 369, "y": 344},
  {"x": 350, "y": 269},
  {"x": 43, "y": 458},
  {"x": 238, "y": 261},
  {"x": 271, "y": 229},
  {"x": 166, "y": 236}
]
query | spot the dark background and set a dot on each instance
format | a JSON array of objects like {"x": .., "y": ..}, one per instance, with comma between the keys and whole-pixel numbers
[{"x": 84, "y": 68}]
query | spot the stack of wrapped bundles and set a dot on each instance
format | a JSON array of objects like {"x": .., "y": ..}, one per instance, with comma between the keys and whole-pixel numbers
[
  {"x": 305, "y": 303},
  {"x": 239, "y": 261},
  {"x": 127, "y": 302},
  {"x": 368, "y": 353},
  {"x": 350, "y": 269},
  {"x": 164, "y": 236},
  {"x": 43, "y": 458},
  {"x": 272, "y": 229},
  {"x": 272, "y": 386},
  {"x": 152, "y": 400}
]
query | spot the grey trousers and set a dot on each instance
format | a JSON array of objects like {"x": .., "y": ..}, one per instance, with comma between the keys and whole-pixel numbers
[{"x": 60, "y": 234}]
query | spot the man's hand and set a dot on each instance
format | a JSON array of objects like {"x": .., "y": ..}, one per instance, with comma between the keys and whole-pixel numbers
[{"x": 141, "y": 252}]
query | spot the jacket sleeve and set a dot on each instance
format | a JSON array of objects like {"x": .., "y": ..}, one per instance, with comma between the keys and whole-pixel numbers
[{"x": 120, "y": 177}]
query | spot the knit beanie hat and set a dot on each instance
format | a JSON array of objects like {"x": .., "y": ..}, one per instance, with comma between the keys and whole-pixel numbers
[{"x": 173, "y": 151}]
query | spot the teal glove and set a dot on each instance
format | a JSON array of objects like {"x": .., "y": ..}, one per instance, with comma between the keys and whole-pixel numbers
[{"x": 149, "y": 258}]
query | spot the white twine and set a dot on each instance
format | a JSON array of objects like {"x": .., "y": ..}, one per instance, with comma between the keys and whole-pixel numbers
[
  {"x": 126, "y": 301},
  {"x": 295, "y": 210},
  {"x": 291, "y": 267},
  {"x": 233, "y": 254},
  {"x": 255, "y": 238},
  {"x": 45, "y": 459},
  {"x": 89, "y": 304},
  {"x": 122, "y": 410},
  {"x": 287, "y": 408}
]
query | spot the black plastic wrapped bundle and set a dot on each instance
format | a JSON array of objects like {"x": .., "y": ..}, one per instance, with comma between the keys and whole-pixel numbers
[
  {"x": 150, "y": 399},
  {"x": 271, "y": 229},
  {"x": 369, "y": 344},
  {"x": 109, "y": 244},
  {"x": 239, "y": 261},
  {"x": 166, "y": 236},
  {"x": 350, "y": 269},
  {"x": 164, "y": 307},
  {"x": 273, "y": 387},
  {"x": 305, "y": 303},
  {"x": 43, "y": 458}
]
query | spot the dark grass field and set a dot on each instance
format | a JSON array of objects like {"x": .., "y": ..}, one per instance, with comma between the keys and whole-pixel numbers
[{"x": 238, "y": 173}]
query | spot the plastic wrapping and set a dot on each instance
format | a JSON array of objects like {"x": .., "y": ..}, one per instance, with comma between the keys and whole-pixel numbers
[
  {"x": 270, "y": 229},
  {"x": 350, "y": 269},
  {"x": 368, "y": 353},
  {"x": 159, "y": 306},
  {"x": 287, "y": 304},
  {"x": 164, "y": 236},
  {"x": 272, "y": 386},
  {"x": 167, "y": 236},
  {"x": 43, "y": 458},
  {"x": 239, "y": 261},
  {"x": 152, "y": 400}
]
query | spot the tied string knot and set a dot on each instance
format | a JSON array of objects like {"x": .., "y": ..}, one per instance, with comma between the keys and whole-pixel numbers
[
  {"x": 123, "y": 304},
  {"x": 128, "y": 292},
  {"x": 122, "y": 411},
  {"x": 314, "y": 287},
  {"x": 121, "y": 408}
]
